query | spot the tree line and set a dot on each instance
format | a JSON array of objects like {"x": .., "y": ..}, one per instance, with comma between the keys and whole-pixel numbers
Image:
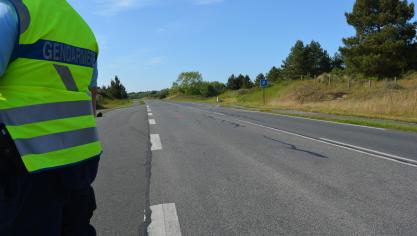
[
  {"x": 116, "y": 90},
  {"x": 192, "y": 83}
]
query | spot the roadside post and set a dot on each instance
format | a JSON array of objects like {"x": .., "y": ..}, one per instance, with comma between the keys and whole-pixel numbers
[{"x": 264, "y": 84}]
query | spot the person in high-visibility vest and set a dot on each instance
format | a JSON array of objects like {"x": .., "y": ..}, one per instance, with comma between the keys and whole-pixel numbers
[{"x": 49, "y": 143}]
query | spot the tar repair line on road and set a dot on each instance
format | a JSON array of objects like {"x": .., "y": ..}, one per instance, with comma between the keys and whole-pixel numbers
[{"x": 380, "y": 155}]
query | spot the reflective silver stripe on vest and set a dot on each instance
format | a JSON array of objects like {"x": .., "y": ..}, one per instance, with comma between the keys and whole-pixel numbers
[
  {"x": 45, "y": 112},
  {"x": 23, "y": 13},
  {"x": 55, "y": 142},
  {"x": 66, "y": 77}
]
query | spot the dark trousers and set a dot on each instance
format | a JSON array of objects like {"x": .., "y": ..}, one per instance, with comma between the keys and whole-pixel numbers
[{"x": 41, "y": 204}]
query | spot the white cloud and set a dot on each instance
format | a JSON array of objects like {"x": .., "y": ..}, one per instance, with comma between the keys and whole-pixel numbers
[
  {"x": 156, "y": 61},
  {"x": 113, "y": 7},
  {"x": 207, "y": 2}
]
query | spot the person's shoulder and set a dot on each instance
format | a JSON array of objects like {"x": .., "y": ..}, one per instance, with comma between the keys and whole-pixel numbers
[
  {"x": 6, "y": 3},
  {"x": 7, "y": 8}
]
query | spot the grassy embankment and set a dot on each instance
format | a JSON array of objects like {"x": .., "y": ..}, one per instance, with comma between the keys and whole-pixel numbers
[
  {"x": 383, "y": 100},
  {"x": 106, "y": 103}
]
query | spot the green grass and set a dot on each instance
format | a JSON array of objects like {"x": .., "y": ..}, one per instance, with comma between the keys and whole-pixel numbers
[
  {"x": 113, "y": 103},
  {"x": 254, "y": 97},
  {"x": 363, "y": 121},
  {"x": 371, "y": 123}
]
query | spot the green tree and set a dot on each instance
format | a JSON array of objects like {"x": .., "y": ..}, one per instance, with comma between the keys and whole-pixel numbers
[
  {"x": 260, "y": 77},
  {"x": 274, "y": 74},
  {"x": 210, "y": 89},
  {"x": 246, "y": 82},
  {"x": 219, "y": 87},
  {"x": 189, "y": 82},
  {"x": 116, "y": 90},
  {"x": 164, "y": 93},
  {"x": 384, "y": 44},
  {"x": 239, "y": 82},
  {"x": 233, "y": 83},
  {"x": 294, "y": 64},
  {"x": 316, "y": 60},
  {"x": 176, "y": 88},
  {"x": 240, "y": 79},
  {"x": 337, "y": 62}
]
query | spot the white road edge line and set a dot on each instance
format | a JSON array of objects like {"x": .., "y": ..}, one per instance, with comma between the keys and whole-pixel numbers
[
  {"x": 220, "y": 114},
  {"x": 152, "y": 122},
  {"x": 381, "y": 155},
  {"x": 156, "y": 142},
  {"x": 305, "y": 118},
  {"x": 385, "y": 156},
  {"x": 164, "y": 221}
]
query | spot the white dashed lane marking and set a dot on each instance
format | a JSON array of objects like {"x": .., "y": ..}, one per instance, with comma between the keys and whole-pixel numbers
[
  {"x": 156, "y": 142},
  {"x": 152, "y": 122},
  {"x": 164, "y": 221},
  {"x": 150, "y": 114}
]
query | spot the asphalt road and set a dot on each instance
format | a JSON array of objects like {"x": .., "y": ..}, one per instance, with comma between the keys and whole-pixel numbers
[
  {"x": 219, "y": 171},
  {"x": 121, "y": 183},
  {"x": 229, "y": 173}
]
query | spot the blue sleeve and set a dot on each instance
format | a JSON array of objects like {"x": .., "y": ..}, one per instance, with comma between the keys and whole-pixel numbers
[
  {"x": 93, "y": 83},
  {"x": 8, "y": 28}
]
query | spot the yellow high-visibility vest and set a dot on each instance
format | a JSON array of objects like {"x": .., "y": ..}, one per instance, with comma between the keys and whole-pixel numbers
[{"x": 44, "y": 94}]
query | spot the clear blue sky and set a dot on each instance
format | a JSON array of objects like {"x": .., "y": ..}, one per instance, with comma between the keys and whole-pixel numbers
[{"x": 147, "y": 43}]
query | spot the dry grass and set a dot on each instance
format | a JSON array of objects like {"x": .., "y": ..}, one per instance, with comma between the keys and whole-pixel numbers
[
  {"x": 384, "y": 99},
  {"x": 113, "y": 103}
]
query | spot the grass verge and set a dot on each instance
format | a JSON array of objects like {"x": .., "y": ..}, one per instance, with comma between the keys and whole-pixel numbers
[
  {"x": 355, "y": 120},
  {"x": 371, "y": 123},
  {"x": 105, "y": 103}
]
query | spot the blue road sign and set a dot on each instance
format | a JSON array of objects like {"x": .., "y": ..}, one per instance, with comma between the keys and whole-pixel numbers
[{"x": 264, "y": 83}]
